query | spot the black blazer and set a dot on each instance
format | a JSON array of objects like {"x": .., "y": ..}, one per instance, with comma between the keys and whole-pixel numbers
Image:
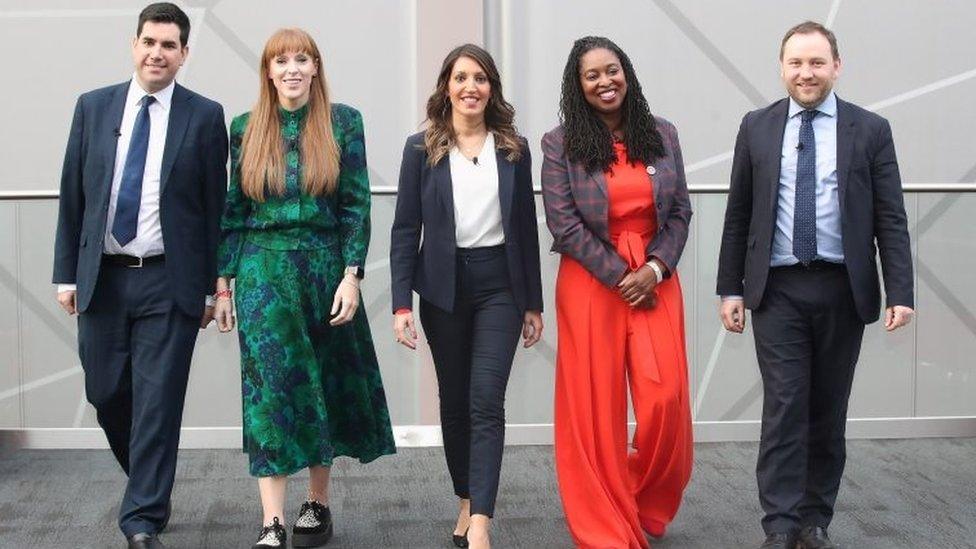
[
  {"x": 871, "y": 207},
  {"x": 193, "y": 181},
  {"x": 425, "y": 203}
]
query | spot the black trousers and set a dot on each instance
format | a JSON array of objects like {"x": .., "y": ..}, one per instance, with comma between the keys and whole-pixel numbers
[
  {"x": 808, "y": 337},
  {"x": 473, "y": 348},
  {"x": 135, "y": 346}
]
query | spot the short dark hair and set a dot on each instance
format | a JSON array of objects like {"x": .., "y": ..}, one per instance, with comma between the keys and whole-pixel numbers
[
  {"x": 808, "y": 27},
  {"x": 166, "y": 12}
]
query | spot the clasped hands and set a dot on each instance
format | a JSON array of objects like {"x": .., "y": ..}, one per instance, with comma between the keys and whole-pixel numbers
[{"x": 637, "y": 288}]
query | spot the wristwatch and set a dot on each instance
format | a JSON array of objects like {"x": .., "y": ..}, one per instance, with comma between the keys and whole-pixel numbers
[
  {"x": 356, "y": 271},
  {"x": 657, "y": 271}
]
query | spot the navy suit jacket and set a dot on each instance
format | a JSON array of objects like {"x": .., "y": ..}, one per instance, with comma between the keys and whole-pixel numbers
[
  {"x": 425, "y": 204},
  {"x": 193, "y": 182},
  {"x": 871, "y": 207}
]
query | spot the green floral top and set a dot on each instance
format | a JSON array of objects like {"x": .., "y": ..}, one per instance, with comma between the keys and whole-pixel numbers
[{"x": 295, "y": 220}]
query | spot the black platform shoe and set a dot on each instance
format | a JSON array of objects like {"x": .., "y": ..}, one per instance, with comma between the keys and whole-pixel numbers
[
  {"x": 313, "y": 527},
  {"x": 272, "y": 536},
  {"x": 460, "y": 541}
]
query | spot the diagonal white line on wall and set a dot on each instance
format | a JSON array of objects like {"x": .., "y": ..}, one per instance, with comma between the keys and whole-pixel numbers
[
  {"x": 709, "y": 369},
  {"x": 832, "y": 15},
  {"x": 883, "y": 104},
  {"x": 41, "y": 382}
]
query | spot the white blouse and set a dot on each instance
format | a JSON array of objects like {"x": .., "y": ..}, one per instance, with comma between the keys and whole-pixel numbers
[{"x": 477, "y": 210}]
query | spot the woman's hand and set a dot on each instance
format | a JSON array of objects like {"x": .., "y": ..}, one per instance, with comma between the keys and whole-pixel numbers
[
  {"x": 531, "y": 328},
  {"x": 223, "y": 311},
  {"x": 637, "y": 287},
  {"x": 404, "y": 329},
  {"x": 224, "y": 314},
  {"x": 346, "y": 300}
]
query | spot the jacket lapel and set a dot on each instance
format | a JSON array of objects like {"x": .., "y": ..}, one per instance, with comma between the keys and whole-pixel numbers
[
  {"x": 774, "y": 125},
  {"x": 506, "y": 187},
  {"x": 179, "y": 118},
  {"x": 116, "y": 108},
  {"x": 444, "y": 189},
  {"x": 845, "y": 147}
]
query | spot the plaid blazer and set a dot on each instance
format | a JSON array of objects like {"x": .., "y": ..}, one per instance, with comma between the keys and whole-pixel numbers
[{"x": 576, "y": 207}]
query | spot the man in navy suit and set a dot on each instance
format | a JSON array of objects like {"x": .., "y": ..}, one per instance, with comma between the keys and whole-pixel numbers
[
  {"x": 142, "y": 190},
  {"x": 815, "y": 195}
]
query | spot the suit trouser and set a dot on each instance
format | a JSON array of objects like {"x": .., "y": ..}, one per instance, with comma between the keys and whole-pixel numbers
[
  {"x": 808, "y": 337},
  {"x": 135, "y": 346},
  {"x": 473, "y": 348}
]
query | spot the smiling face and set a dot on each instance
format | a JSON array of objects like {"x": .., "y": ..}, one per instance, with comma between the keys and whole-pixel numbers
[
  {"x": 157, "y": 55},
  {"x": 602, "y": 79},
  {"x": 468, "y": 88},
  {"x": 808, "y": 68},
  {"x": 292, "y": 73}
]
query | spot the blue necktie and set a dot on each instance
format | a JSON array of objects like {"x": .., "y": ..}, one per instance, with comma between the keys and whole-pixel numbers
[
  {"x": 805, "y": 201},
  {"x": 130, "y": 190}
]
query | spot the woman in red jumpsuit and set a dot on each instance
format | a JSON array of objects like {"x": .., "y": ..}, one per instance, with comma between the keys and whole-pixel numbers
[{"x": 617, "y": 205}]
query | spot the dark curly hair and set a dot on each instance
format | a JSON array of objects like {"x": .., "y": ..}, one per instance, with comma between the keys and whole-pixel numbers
[{"x": 588, "y": 139}]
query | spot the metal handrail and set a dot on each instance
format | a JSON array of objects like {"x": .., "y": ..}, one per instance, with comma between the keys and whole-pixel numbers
[{"x": 703, "y": 188}]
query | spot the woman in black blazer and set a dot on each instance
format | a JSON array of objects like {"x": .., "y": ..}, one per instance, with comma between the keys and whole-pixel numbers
[{"x": 466, "y": 184}]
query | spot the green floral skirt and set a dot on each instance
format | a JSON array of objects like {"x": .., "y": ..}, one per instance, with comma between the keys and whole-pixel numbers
[{"x": 311, "y": 391}]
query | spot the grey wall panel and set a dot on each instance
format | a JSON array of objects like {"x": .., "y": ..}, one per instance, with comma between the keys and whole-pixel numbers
[
  {"x": 52, "y": 369},
  {"x": 10, "y": 365},
  {"x": 946, "y": 361},
  {"x": 884, "y": 382},
  {"x": 727, "y": 383}
]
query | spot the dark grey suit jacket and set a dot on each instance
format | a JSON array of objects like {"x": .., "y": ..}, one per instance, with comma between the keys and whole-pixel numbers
[
  {"x": 193, "y": 182},
  {"x": 871, "y": 207}
]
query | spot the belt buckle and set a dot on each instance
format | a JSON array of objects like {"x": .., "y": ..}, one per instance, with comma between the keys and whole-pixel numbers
[{"x": 137, "y": 265}]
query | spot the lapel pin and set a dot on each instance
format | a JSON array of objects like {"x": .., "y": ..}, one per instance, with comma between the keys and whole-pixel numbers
[{"x": 651, "y": 170}]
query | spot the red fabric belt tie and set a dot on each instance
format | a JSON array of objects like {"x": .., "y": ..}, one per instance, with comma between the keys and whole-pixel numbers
[{"x": 630, "y": 246}]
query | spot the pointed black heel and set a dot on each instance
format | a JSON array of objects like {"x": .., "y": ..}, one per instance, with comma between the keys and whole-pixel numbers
[{"x": 461, "y": 541}]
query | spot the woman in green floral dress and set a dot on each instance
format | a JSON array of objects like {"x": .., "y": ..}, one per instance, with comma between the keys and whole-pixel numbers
[{"x": 294, "y": 236}]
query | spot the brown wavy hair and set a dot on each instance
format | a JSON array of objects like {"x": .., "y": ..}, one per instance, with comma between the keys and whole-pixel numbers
[
  {"x": 499, "y": 114},
  {"x": 262, "y": 150}
]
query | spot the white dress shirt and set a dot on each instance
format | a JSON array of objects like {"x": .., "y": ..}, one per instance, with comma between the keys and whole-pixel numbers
[{"x": 477, "y": 209}]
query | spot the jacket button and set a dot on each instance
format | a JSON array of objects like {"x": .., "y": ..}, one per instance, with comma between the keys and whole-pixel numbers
[{"x": 659, "y": 206}]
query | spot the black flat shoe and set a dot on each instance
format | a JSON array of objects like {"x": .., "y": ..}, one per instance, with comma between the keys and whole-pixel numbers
[
  {"x": 313, "y": 527},
  {"x": 460, "y": 541}
]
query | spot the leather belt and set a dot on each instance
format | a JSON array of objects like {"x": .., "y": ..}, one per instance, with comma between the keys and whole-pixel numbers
[{"x": 131, "y": 260}]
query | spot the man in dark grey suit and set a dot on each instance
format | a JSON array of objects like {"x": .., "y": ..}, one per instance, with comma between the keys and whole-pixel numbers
[
  {"x": 815, "y": 194},
  {"x": 142, "y": 190}
]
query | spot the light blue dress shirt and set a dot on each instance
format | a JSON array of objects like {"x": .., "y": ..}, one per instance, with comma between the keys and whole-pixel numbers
[{"x": 829, "y": 245}]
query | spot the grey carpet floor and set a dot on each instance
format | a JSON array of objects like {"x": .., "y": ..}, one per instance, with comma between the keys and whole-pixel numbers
[{"x": 917, "y": 494}]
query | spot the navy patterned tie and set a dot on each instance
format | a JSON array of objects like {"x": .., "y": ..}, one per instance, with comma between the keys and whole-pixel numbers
[
  {"x": 805, "y": 201},
  {"x": 130, "y": 190}
]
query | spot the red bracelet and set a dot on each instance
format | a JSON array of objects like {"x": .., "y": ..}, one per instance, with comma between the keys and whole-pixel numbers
[{"x": 223, "y": 293}]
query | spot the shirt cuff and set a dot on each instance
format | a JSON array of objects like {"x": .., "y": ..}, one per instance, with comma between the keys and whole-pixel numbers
[
  {"x": 403, "y": 310},
  {"x": 67, "y": 288},
  {"x": 209, "y": 301},
  {"x": 731, "y": 298}
]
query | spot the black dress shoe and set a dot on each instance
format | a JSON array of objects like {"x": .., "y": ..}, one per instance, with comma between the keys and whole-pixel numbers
[
  {"x": 779, "y": 540},
  {"x": 272, "y": 536},
  {"x": 145, "y": 541},
  {"x": 815, "y": 537},
  {"x": 460, "y": 541},
  {"x": 313, "y": 527}
]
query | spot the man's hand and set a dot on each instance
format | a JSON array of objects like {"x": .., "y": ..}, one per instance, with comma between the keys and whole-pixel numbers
[
  {"x": 68, "y": 301},
  {"x": 208, "y": 316},
  {"x": 897, "y": 316},
  {"x": 732, "y": 311}
]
